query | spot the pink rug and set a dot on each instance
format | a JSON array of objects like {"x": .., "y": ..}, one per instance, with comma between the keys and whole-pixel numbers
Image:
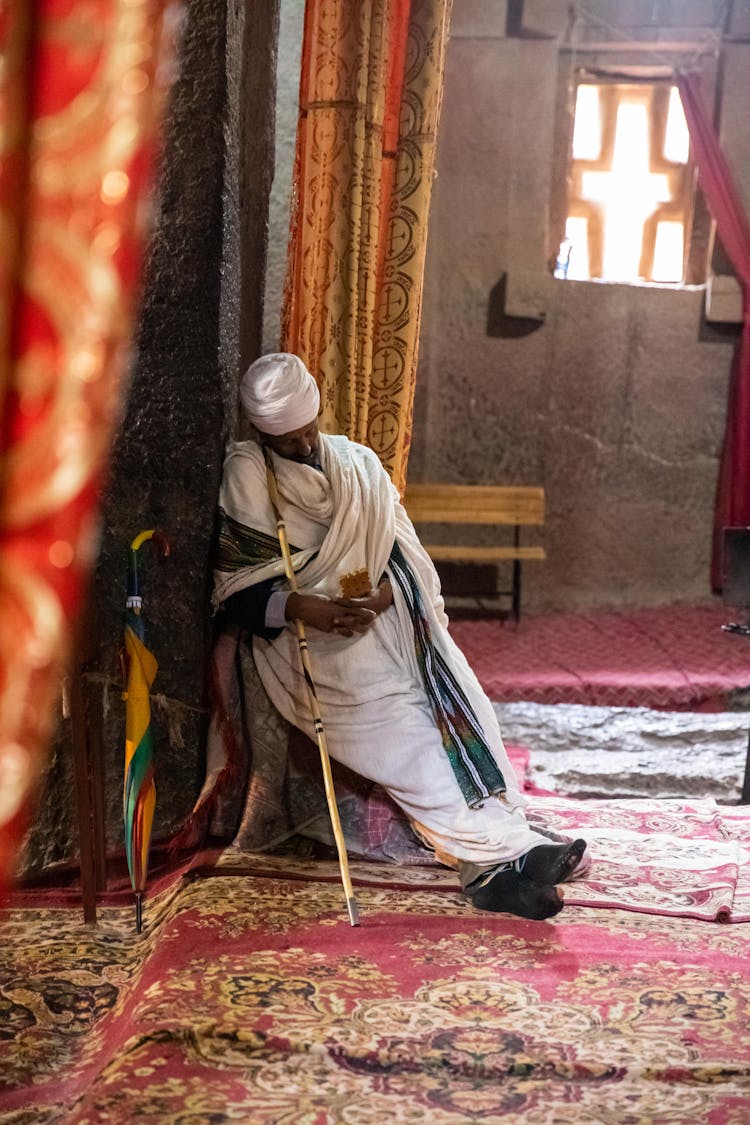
[
  {"x": 686, "y": 858},
  {"x": 677, "y": 858},
  {"x": 675, "y": 658},
  {"x": 672, "y": 858},
  {"x": 250, "y": 998}
]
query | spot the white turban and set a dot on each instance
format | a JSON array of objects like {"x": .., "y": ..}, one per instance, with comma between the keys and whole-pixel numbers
[{"x": 279, "y": 394}]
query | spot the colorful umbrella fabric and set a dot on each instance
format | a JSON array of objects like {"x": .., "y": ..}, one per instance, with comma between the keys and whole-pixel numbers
[{"x": 139, "y": 795}]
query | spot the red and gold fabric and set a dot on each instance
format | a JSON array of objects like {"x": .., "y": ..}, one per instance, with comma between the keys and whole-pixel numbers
[
  {"x": 82, "y": 89},
  {"x": 370, "y": 95}
]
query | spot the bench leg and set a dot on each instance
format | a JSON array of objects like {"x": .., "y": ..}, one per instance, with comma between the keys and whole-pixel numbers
[
  {"x": 516, "y": 595},
  {"x": 745, "y": 798}
]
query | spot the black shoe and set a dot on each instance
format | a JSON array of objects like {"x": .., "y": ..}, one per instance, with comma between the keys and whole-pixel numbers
[
  {"x": 551, "y": 863},
  {"x": 510, "y": 893}
]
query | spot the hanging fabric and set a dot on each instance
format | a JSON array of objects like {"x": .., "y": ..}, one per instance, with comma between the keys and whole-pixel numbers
[
  {"x": 370, "y": 92},
  {"x": 725, "y": 204},
  {"x": 79, "y": 109}
]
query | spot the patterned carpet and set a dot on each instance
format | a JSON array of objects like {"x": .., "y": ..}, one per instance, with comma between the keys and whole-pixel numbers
[
  {"x": 250, "y": 998},
  {"x": 681, "y": 859},
  {"x": 674, "y": 657}
]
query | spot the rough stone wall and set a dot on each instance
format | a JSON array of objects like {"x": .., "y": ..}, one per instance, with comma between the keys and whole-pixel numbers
[
  {"x": 611, "y": 396},
  {"x": 200, "y": 323}
]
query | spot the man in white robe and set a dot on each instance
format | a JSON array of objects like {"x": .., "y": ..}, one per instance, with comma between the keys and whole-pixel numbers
[{"x": 399, "y": 701}]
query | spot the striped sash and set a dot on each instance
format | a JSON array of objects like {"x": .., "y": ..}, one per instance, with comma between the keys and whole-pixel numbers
[{"x": 471, "y": 759}]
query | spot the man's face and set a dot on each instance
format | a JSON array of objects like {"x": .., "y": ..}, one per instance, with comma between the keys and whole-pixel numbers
[{"x": 298, "y": 445}]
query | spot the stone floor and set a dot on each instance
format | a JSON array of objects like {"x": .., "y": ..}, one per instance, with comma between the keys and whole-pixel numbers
[{"x": 630, "y": 752}]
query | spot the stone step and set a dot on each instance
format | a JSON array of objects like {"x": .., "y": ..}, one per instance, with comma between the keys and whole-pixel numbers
[{"x": 630, "y": 752}]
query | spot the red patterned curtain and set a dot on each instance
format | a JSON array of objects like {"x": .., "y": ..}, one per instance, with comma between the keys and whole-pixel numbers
[
  {"x": 725, "y": 204},
  {"x": 370, "y": 91},
  {"x": 81, "y": 87}
]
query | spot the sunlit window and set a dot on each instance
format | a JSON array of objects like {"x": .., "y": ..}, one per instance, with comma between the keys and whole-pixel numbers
[
  {"x": 587, "y": 126},
  {"x": 630, "y": 193}
]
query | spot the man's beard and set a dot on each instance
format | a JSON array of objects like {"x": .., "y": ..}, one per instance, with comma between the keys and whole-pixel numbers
[{"x": 310, "y": 459}]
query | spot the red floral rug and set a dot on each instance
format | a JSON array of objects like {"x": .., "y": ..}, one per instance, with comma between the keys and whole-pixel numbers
[
  {"x": 252, "y": 999},
  {"x": 249, "y": 997},
  {"x": 674, "y": 858},
  {"x": 674, "y": 657}
]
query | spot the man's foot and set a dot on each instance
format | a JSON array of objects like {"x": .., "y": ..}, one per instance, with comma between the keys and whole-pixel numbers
[
  {"x": 510, "y": 893},
  {"x": 551, "y": 863}
]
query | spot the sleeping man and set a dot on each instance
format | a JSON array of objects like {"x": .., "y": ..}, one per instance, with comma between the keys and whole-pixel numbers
[{"x": 399, "y": 701}]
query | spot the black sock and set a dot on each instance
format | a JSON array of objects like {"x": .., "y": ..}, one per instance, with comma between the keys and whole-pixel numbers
[
  {"x": 511, "y": 893},
  {"x": 551, "y": 863}
]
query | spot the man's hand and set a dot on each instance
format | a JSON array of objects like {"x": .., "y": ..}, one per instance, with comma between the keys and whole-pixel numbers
[
  {"x": 376, "y": 600},
  {"x": 330, "y": 615}
]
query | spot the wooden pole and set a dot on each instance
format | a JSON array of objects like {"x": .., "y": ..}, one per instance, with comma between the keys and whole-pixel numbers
[
  {"x": 325, "y": 760},
  {"x": 86, "y": 738}
]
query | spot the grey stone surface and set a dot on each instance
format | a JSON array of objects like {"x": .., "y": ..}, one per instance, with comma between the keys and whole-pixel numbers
[
  {"x": 53, "y": 835},
  {"x": 479, "y": 17},
  {"x": 740, "y": 18},
  {"x": 630, "y": 752},
  {"x": 733, "y": 126},
  {"x": 291, "y": 19},
  {"x": 616, "y": 401}
]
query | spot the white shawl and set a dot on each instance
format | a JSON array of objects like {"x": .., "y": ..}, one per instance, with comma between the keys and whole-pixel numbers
[{"x": 370, "y": 687}]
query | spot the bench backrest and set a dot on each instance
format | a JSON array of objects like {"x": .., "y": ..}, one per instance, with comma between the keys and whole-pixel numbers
[{"x": 474, "y": 503}]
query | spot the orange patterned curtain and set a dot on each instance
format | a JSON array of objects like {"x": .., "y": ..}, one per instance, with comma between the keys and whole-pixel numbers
[
  {"x": 372, "y": 73},
  {"x": 80, "y": 90}
]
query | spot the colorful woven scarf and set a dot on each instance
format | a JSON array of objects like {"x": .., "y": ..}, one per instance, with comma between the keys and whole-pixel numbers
[
  {"x": 240, "y": 546},
  {"x": 471, "y": 759}
]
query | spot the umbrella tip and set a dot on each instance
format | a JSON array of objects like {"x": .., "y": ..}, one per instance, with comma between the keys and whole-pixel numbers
[
  {"x": 138, "y": 912},
  {"x": 353, "y": 911}
]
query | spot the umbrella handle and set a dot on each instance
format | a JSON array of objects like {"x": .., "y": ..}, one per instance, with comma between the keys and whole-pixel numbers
[
  {"x": 158, "y": 538},
  {"x": 162, "y": 544}
]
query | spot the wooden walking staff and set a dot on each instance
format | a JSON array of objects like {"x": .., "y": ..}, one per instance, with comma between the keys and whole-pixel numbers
[{"x": 320, "y": 734}]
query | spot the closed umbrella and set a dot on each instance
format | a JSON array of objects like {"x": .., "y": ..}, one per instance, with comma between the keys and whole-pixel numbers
[{"x": 139, "y": 791}]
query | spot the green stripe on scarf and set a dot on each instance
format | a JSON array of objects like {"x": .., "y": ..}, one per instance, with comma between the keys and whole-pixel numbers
[
  {"x": 471, "y": 759},
  {"x": 240, "y": 546}
]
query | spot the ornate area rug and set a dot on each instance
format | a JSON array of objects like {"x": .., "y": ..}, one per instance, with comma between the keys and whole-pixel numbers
[
  {"x": 673, "y": 657},
  {"x": 250, "y": 998},
  {"x": 680, "y": 858},
  {"x": 684, "y": 859}
]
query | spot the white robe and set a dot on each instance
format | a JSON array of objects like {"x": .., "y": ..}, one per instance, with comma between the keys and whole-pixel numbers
[{"x": 376, "y": 712}]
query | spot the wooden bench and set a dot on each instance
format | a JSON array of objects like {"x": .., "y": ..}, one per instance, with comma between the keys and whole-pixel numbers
[{"x": 513, "y": 507}]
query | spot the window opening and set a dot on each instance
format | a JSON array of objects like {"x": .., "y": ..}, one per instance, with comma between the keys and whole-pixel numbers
[{"x": 630, "y": 197}]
